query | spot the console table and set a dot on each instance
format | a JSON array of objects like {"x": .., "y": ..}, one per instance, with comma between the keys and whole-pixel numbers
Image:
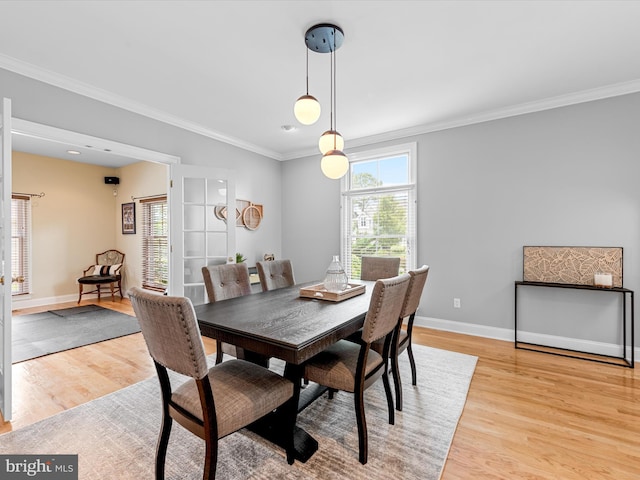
[{"x": 627, "y": 324}]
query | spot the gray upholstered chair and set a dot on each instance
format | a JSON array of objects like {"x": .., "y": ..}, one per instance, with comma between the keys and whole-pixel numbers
[
  {"x": 402, "y": 338},
  {"x": 215, "y": 401},
  {"x": 222, "y": 282},
  {"x": 275, "y": 274},
  {"x": 353, "y": 367},
  {"x": 106, "y": 271},
  {"x": 375, "y": 268}
]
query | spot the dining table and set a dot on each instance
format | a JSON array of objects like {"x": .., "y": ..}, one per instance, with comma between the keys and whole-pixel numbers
[{"x": 285, "y": 325}]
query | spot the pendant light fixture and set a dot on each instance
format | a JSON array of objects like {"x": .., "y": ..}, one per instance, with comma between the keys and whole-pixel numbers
[
  {"x": 307, "y": 108},
  {"x": 334, "y": 163},
  {"x": 327, "y": 38}
]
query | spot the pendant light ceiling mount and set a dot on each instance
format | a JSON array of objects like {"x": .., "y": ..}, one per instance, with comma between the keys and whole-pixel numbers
[{"x": 324, "y": 38}]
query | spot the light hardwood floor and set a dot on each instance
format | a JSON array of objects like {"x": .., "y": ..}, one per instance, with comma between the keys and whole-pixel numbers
[{"x": 528, "y": 415}]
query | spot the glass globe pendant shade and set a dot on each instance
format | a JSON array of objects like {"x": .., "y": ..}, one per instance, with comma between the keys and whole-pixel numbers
[
  {"x": 330, "y": 140},
  {"x": 307, "y": 110},
  {"x": 334, "y": 164}
]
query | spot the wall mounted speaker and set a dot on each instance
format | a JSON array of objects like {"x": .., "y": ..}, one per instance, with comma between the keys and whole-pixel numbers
[{"x": 112, "y": 180}]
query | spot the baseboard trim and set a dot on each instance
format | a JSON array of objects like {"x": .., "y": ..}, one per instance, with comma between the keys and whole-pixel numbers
[
  {"x": 507, "y": 335},
  {"x": 39, "y": 302}
]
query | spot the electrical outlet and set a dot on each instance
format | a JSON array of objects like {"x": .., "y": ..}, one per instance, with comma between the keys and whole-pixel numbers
[{"x": 456, "y": 303}]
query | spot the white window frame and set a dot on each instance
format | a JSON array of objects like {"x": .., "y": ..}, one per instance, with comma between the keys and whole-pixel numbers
[
  {"x": 22, "y": 282},
  {"x": 409, "y": 149},
  {"x": 146, "y": 205}
]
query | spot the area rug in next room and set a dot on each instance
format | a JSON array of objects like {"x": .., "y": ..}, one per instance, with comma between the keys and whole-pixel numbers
[
  {"x": 38, "y": 334},
  {"x": 115, "y": 436}
]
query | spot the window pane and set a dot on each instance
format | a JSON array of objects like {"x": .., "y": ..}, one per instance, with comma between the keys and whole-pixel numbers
[
  {"x": 155, "y": 245},
  {"x": 20, "y": 245},
  {"x": 380, "y": 172},
  {"x": 381, "y": 220}
]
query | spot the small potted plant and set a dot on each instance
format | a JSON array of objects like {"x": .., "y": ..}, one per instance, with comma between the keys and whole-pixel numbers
[{"x": 240, "y": 258}]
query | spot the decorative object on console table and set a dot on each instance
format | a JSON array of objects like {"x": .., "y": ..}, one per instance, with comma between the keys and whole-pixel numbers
[
  {"x": 571, "y": 265},
  {"x": 129, "y": 218},
  {"x": 603, "y": 280}
]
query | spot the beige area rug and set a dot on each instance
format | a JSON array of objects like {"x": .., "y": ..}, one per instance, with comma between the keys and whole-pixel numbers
[{"x": 115, "y": 436}]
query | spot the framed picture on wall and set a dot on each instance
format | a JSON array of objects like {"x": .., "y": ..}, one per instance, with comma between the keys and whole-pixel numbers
[{"x": 129, "y": 218}]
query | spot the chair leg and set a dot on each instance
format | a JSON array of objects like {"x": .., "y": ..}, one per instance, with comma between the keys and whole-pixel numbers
[
  {"x": 113, "y": 298},
  {"x": 80, "y": 288},
  {"x": 120, "y": 288},
  {"x": 362, "y": 427},
  {"x": 397, "y": 382},
  {"x": 387, "y": 391},
  {"x": 413, "y": 364},
  {"x": 210, "y": 459},
  {"x": 163, "y": 442},
  {"x": 98, "y": 289}
]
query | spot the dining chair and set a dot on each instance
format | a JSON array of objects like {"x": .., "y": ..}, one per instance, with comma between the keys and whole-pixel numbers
[
  {"x": 375, "y": 268},
  {"x": 222, "y": 282},
  {"x": 215, "y": 401},
  {"x": 402, "y": 337},
  {"x": 353, "y": 367},
  {"x": 275, "y": 274}
]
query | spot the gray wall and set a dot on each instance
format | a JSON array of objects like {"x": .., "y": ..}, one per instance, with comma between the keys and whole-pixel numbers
[
  {"x": 567, "y": 176},
  {"x": 258, "y": 177}
]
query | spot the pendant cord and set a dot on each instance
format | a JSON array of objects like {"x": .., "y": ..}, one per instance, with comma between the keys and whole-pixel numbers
[
  {"x": 335, "y": 120},
  {"x": 331, "y": 86},
  {"x": 307, "y": 49}
]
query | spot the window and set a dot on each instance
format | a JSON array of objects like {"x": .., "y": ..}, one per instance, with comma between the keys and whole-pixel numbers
[
  {"x": 379, "y": 207},
  {"x": 155, "y": 244},
  {"x": 20, "y": 244}
]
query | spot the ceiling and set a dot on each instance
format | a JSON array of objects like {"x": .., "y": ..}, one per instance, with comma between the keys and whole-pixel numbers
[{"x": 232, "y": 70}]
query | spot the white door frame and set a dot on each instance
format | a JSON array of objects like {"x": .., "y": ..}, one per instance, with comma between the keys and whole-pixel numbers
[
  {"x": 5, "y": 262},
  {"x": 26, "y": 127}
]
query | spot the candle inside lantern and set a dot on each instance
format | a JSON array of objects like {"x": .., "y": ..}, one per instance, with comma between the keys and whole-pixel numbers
[{"x": 603, "y": 280}]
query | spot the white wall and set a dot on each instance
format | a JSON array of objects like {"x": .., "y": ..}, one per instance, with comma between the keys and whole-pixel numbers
[{"x": 567, "y": 176}]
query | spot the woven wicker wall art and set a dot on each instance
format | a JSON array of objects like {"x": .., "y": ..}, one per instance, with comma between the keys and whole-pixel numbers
[{"x": 571, "y": 265}]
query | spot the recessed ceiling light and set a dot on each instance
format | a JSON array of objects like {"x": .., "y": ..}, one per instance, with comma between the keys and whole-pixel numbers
[
  {"x": 73, "y": 152},
  {"x": 289, "y": 128}
]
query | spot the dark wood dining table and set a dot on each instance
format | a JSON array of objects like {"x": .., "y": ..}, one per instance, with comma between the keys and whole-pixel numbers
[{"x": 282, "y": 324}]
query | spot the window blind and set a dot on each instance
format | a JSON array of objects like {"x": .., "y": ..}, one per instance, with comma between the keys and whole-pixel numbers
[
  {"x": 20, "y": 244},
  {"x": 155, "y": 244}
]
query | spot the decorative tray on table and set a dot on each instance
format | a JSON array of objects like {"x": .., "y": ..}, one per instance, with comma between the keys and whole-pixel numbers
[{"x": 318, "y": 291}]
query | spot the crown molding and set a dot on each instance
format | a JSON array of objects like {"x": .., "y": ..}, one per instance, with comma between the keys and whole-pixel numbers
[
  {"x": 62, "y": 81},
  {"x": 67, "y": 83},
  {"x": 575, "y": 98}
]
